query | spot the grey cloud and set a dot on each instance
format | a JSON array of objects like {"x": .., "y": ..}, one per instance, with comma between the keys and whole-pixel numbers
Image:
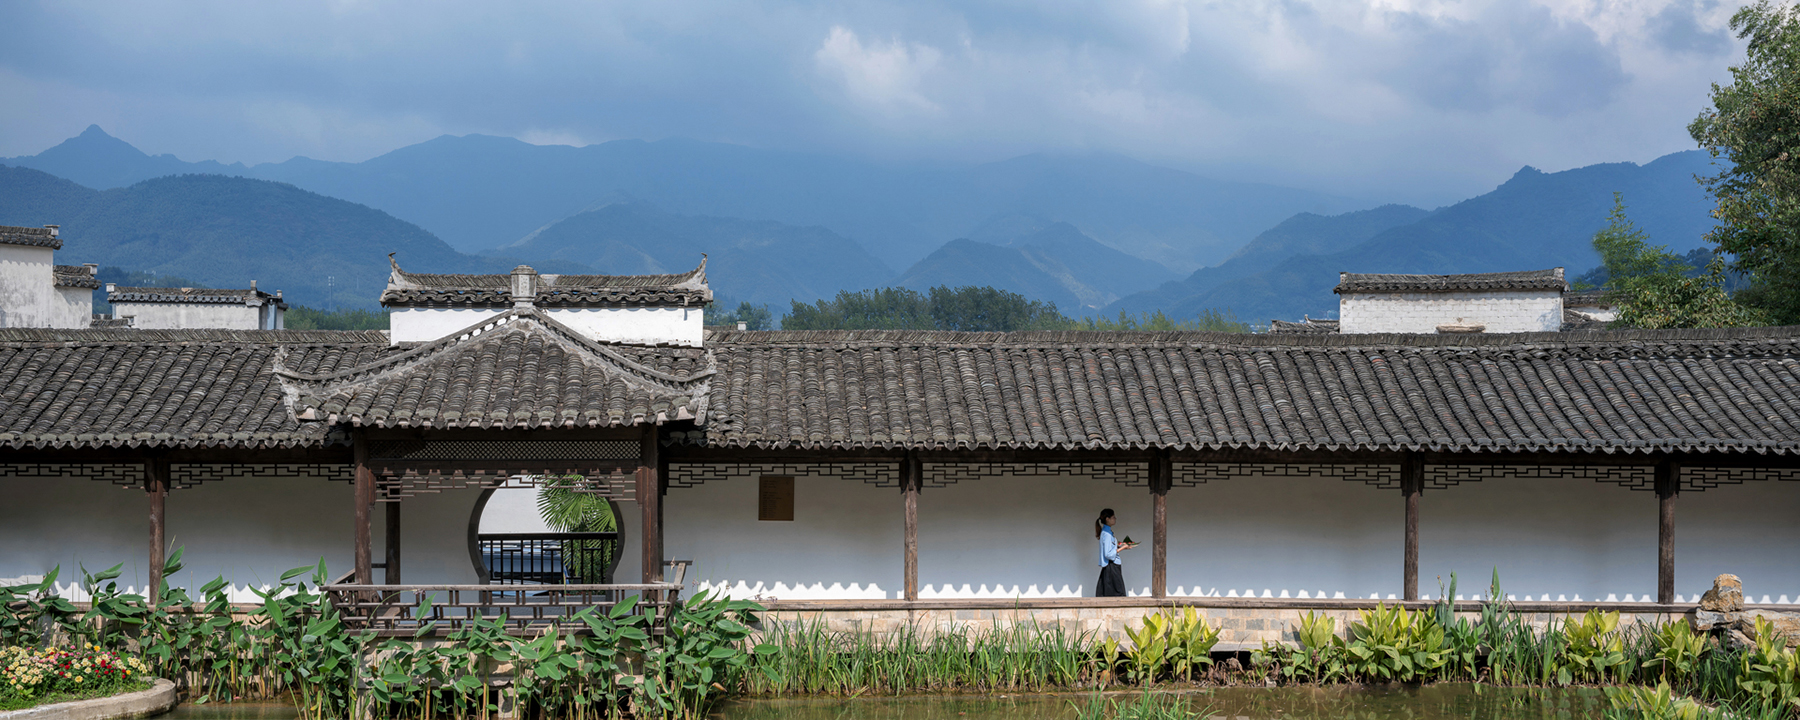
[
  {"x": 1677, "y": 29},
  {"x": 1515, "y": 55}
]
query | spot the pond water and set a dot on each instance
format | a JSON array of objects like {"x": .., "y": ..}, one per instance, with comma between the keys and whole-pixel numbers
[{"x": 1437, "y": 702}]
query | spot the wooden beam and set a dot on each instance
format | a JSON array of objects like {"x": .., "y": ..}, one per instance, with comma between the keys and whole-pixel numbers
[
  {"x": 390, "y": 565},
  {"x": 649, "y": 494},
  {"x": 1162, "y": 476},
  {"x": 1412, "y": 484},
  {"x": 1668, "y": 486},
  {"x": 156, "y": 484},
  {"x": 365, "y": 500},
  {"x": 912, "y": 476}
]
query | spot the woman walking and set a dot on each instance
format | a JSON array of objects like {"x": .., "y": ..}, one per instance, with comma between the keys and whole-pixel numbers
[{"x": 1112, "y": 572}]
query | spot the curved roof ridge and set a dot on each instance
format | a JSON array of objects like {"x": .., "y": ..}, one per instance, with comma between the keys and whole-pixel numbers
[
  {"x": 1547, "y": 279},
  {"x": 493, "y": 323}
]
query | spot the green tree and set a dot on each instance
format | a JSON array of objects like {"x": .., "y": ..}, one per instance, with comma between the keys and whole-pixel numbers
[
  {"x": 891, "y": 308},
  {"x": 1207, "y": 320},
  {"x": 1754, "y": 126},
  {"x": 301, "y": 317},
  {"x": 754, "y": 317},
  {"x": 565, "y": 507},
  {"x": 987, "y": 309},
  {"x": 1652, "y": 285}
]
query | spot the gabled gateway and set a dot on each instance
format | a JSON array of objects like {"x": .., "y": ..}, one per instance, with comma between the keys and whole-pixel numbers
[{"x": 637, "y": 309}]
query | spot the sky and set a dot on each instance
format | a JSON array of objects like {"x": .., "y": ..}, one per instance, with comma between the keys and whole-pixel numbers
[{"x": 1421, "y": 101}]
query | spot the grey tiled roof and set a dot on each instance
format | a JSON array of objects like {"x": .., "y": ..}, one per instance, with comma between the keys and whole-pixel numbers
[
  {"x": 34, "y": 237},
  {"x": 519, "y": 369},
  {"x": 163, "y": 388},
  {"x": 187, "y": 295},
  {"x": 1551, "y": 279},
  {"x": 406, "y": 289},
  {"x": 75, "y": 276},
  {"x": 1315, "y": 327},
  {"x": 1587, "y": 298},
  {"x": 1735, "y": 390}
]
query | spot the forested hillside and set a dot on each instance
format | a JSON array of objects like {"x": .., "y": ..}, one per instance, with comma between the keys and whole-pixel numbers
[{"x": 225, "y": 232}]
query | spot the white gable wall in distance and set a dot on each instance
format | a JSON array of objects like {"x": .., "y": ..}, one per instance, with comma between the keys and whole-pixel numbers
[
  {"x": 174, "y": 316},
  {"x": 74, "y": 308},
  {"x": 1500, "y": 312},
  {"x": 28, "y": 287},
  {"x": 646, "y": 326}
]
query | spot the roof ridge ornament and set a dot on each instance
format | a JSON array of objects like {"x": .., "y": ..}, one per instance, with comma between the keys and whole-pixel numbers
[{"x": 524, "y": 287}]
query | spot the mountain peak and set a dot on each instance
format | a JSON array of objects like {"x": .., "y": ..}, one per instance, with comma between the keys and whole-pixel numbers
[{"x": 93, "y": 132}]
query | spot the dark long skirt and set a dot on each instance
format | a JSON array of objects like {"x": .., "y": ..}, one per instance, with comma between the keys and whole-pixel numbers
[{"x": 1112, "y": 581}]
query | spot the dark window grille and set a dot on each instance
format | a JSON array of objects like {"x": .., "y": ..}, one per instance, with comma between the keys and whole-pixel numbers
[{"x": 549, "y": 558}]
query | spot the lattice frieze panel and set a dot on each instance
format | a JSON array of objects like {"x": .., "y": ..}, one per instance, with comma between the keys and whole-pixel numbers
[
  {"x": 1630, "y": 477},
  {"x": 687, "y": 475},
  {"x": 393, "y": 488},
  {"x": 1133, "y": 474},
  {"x": 1697, "y": 479},
  {"x": 1381, "y": 476},
  {"x": 185, "y": 475},
  {"x": 504, "y": 449},
  {"x": 129, "y": 475}
]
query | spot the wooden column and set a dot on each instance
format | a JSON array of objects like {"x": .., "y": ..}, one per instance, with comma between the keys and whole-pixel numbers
[
  {"x": 912, "y": 475},
  {"x": 1412, "y": 484},
  {"x": 390, "y": 565},
  {"x": 156, "y": 484},
  {"x": 1668, "y": 485},
  {"x": 365, "y": 501},
  {"x": 1162, "y": 475},
  {"x": 649, "y": 494}
]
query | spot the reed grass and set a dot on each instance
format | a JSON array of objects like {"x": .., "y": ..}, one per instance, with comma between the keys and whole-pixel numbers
[{"x": 807, "y": 658}]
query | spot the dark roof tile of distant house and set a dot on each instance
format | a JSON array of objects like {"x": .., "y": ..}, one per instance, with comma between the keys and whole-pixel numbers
[
  {"x": 1577, "y": 321},
  {"x": 31, "y": 236},
  {"x": 189, "y": 295},
  {"x": 76, "y": 276},
  {"x": 1316, "y": 327},
  {"x": 406, "y": 289},
  {"x": 1551, "y": 279},
  {"x": 1588, "y": 298}
]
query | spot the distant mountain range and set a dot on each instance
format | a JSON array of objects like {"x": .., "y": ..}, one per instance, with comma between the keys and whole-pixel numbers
[
  {"x": 758, "y": 261},
  {"x": 1045, "y": 260},
  {"x": 225, "y": 232},
  {"x": 1093, "y": 234},
  {"x": 479, "y": 192},
  {"x": 1535, "y": 220}
]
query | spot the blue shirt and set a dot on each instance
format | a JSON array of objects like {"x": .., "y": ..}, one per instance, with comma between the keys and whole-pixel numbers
[{"x": 1109, "y": 548}]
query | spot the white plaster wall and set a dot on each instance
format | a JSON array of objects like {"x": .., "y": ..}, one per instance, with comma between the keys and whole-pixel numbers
[
  {"x": 1550, "y": 539},
  {"x": 1750, "y": 530},
  {"x": 74, "y": 308},
  {"x": 1023, "y": 536},
  {"x": 649, "y": 326},
  {"x": 1280, "y": 537},
  {"x": 1501, "y": 312},
  {"x": 513, "y": 510},
  {"x": 27, "y": 287},
  {"x": 845, "y": 540},
  {"x": 170, "y": 316},
  {"x": 248, "y": 530}
]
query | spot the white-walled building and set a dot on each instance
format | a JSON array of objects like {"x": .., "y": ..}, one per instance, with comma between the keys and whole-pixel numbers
[
  {"x": 156, "y": 308},
  {"x": 34, "y": 290},
  {"x": 632, "y": 309},
  {"x": 1508, "y": 302}
]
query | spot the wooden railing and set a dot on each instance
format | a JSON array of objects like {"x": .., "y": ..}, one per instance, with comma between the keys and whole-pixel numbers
[
  {"x": 548, "y": 558},
  {"x": 403, "y": 610}
]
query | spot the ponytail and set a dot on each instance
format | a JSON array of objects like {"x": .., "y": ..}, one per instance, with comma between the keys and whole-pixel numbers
[{"x": 1100, "y": 523}]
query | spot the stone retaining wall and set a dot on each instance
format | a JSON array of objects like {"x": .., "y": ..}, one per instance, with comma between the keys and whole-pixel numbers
[{"x": 159, "y": 699}]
